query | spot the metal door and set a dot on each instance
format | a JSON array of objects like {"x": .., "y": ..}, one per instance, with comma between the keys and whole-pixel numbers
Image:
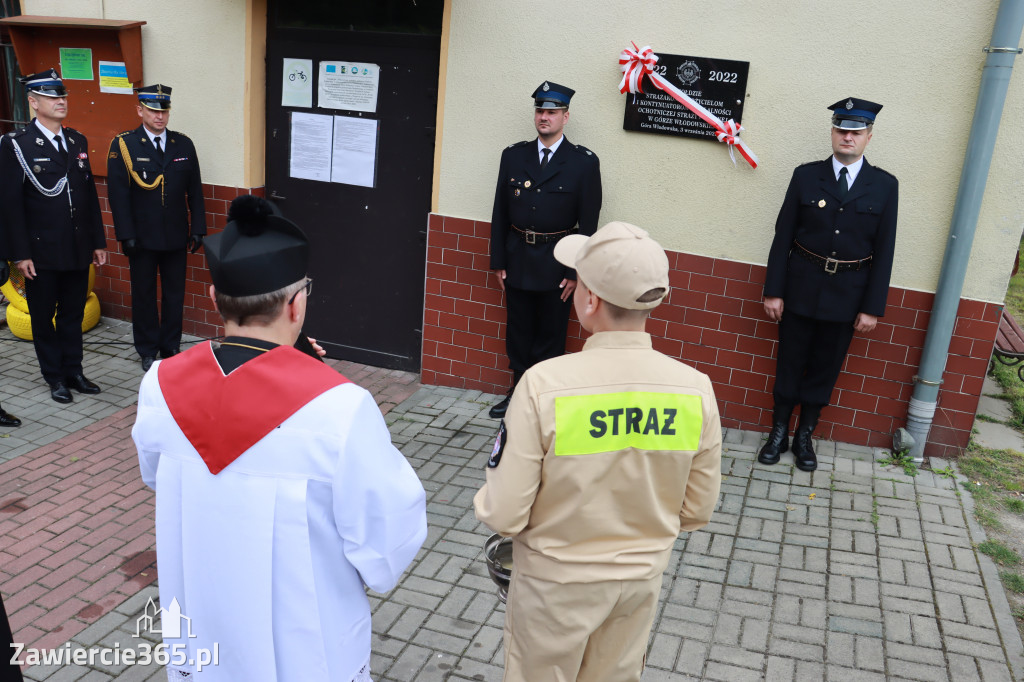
[{"x": 369, "y": 244}]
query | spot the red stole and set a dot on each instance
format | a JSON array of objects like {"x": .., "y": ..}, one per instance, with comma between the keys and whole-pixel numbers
[{"x": 223, "y": 416}]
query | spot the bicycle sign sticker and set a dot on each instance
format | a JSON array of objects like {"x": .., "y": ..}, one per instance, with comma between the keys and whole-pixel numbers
[{"x": 297, "y": 83}]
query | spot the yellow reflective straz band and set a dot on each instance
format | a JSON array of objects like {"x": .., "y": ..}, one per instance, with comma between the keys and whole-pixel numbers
[{"x": 587, "y": 424}]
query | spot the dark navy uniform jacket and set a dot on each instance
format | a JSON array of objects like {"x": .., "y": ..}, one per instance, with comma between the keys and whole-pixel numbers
[
  {"x": 155, "y": 222},
  {"x": 565, "y": 194},
  {"x": 862, "y": 225},
  {"x": 44, "y": 228}
]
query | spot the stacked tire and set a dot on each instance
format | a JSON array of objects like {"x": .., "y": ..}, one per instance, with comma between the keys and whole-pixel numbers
[{"x": 17, "y": 307}]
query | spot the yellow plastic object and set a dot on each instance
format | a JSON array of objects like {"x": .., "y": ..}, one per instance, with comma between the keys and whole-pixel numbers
[
  {"x": 21, "y": 324},
  {"x": 14, "y": 289}
]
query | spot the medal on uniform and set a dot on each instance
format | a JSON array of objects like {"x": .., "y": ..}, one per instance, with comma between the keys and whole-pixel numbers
[
  {"x": 517, "y": 192},
  {"x": 81, "y": 164},
  {"x": 37, "y": 169},
  {"x": 526, "y": 184},
  {"x": 821, "y": 203},
  {"x": 39, "y": 141}
]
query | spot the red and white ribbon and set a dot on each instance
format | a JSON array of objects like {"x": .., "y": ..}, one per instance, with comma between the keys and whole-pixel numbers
[{"x": 635, "y": 63}]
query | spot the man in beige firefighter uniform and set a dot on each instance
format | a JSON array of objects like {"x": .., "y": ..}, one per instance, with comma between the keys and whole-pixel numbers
[{"x": 603, "y": 458}]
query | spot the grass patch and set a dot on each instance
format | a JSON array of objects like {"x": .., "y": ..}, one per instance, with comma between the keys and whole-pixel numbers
[
  {"x": 1012, "y": 581},
  {"x": 987, "y": 418},
  {"x": 1000, "y": 553},
  {"x": 1003, "y": 470},
  {"x": 1014, "y": 504},
  {"x": 900, "y": 459},
  {"x": 995, "y": 479},
  {"x": 1007, "y": 377},
  {"x": 1015, "y": 290}
]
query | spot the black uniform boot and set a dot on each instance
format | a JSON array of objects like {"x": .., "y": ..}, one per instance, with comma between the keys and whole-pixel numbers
[
  {"x": 778, "y": 437},
  {"x": 803, "y": 449},
  {"x": 498, "y": 411}
]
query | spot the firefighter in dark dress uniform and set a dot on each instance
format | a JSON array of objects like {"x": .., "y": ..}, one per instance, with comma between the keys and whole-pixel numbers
[
  {"x": 828, "y": 273},
  {"x": 52, "y": 230},
  {"x": 155, "y": 188},
  {"x": 547, "y": 188}
]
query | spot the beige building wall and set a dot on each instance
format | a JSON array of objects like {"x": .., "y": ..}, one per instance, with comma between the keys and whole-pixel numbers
[
  {"x": 922, "y": 60},
  {"x": 199, "y": 48}
]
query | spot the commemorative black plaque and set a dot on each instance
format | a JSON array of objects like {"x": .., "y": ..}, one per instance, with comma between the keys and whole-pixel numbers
[{"x": 719, "y": 85}]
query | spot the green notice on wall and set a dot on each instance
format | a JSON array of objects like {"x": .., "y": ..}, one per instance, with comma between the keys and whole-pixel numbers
[{"x": 76, "y": 63}]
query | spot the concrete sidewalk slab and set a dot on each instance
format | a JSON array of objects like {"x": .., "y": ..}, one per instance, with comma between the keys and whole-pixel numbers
[{"x": 854, "y": 572}]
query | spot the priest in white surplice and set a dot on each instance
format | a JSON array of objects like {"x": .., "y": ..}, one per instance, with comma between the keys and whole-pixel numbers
[{"x": 278, "y": 492}]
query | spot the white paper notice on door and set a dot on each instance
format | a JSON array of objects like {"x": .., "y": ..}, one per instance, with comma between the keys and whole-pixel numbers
[
  {"x": 311, "y": 144},
  {"x": 348, "y": 85},
  {"x": 355, "y": 151}
]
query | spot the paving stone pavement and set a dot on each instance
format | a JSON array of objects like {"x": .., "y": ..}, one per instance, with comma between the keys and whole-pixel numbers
[{"x": 855, "y": 572}]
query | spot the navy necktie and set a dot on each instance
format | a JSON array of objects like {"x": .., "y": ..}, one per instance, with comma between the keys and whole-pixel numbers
[
  {"x": 59, "y": 139},
  {"x": 544, "y": 162},
  {"x": 844, "y": 185}
]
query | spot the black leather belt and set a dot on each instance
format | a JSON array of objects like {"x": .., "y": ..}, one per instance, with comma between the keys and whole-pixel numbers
[
  {"x": 831, "y": 265},
  {"x": 531, "y": 237}
]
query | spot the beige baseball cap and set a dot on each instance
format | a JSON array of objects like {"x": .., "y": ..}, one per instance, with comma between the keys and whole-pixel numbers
[{"x": 620, "y": 263}]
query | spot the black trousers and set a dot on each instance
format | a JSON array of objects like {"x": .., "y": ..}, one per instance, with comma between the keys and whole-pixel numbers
[
  {"x": 59, "y": 350},
  {"x": 537, "y": 324},
  {"x": 157, "y": 332},
  {"x": 811, "y": 354}
]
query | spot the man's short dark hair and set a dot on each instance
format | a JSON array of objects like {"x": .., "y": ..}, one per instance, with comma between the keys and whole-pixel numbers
[{"x": 259, "y": 309}]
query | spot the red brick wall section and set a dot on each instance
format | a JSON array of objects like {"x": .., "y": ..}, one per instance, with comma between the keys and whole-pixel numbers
[
  {"x": 714, "y": 320},
  {"x": 113, "y": 285}
]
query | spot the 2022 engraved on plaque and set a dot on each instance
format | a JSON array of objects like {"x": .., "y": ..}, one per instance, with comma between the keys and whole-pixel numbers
[{"x": 719, "y": 85}]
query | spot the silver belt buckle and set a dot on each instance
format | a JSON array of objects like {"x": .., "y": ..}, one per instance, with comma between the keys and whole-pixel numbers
[
  {"x": 531, "y": 237},
  {"x": 834, "y": 265}
]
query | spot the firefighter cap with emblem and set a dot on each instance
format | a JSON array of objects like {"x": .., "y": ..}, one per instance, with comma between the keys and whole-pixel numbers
[
  {"x": 46, "y": 83},
  {"x": 550, "y": 95},
  {"x": 854, "y": 114},
  {"x": 620, "y": 263},
  {"x": 156, "y": 97},
  {"x": 258, "y": 252}
]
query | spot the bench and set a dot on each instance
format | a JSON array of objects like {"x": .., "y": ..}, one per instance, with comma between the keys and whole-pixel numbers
[{"x": 1009, "y": 348}]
